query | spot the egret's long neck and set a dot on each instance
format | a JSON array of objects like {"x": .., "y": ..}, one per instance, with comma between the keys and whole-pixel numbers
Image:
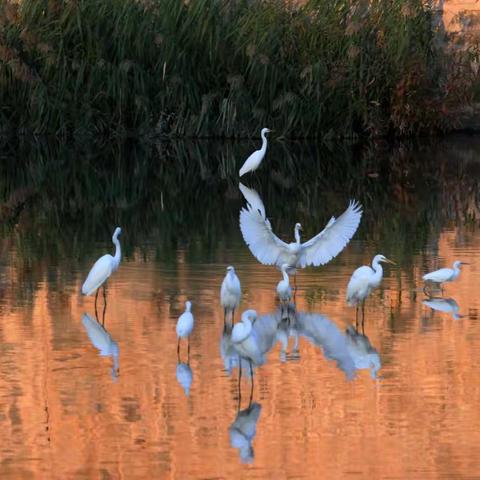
[
  {"x": 285, "y": 276},
  {"x": 378, "y": 269},
  {"x": 264, "y": 142},
  {"x": 297, "y": 235},
  {"x": 456, "y": 269},
  {"x": 118, "y": 252}
]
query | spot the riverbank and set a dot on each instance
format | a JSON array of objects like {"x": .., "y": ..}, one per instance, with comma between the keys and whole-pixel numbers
[{"x": 227, "y": 68}]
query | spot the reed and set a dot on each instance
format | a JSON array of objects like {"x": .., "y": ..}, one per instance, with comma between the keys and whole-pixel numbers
[{"x": 325, "y": 68}]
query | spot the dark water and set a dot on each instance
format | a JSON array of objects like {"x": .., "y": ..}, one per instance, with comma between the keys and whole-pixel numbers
[{"x": 400, "y": 402}]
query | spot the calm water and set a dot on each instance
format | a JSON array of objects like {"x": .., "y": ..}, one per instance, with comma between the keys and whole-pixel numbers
[{"x": 401, "y": 402}]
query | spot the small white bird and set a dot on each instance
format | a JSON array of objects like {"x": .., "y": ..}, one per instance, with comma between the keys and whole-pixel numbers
[
  {"x": 284, "y": 291},
  {"x": 364, "y": 279},
  {"x": 268, "y": 249},
  {"x": 230, "y": 293},
  {"x": 245, "y": 341},
  {"x": 444, "y": 274},
  {"x": 102, "y": 341},
  {"x": 103, "y": 268},
  {"x": 185, "y": 326},
  {"x": 255, "y": 159}
]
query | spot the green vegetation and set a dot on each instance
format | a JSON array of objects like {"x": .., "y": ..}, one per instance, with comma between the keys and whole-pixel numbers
[{"x": 327, "y": 68}]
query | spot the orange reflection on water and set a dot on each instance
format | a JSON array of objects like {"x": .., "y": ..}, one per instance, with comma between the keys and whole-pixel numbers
[{"x": 65, "y": 416}]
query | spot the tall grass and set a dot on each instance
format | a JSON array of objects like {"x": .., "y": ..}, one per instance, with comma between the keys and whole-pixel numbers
[{"x": 325, "y": 68}]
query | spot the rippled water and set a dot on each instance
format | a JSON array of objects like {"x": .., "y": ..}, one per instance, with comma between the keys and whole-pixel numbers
[{"x": 400, "y": 402}]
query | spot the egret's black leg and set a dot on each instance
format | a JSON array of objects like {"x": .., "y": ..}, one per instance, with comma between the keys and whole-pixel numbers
[
  {"x": 178, "y": 347},
  {"x": 239, "y": 382},
  {"x": 96, "y": 297},
  {"x": 224, "y": 316},
  {"x": 188, "y": 348}
]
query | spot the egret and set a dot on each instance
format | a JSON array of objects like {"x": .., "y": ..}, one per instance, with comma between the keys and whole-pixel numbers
[
  {"x": 243, "y": 429},
  {"x": 103, "y": 268},
  {"x": 230, "y": 293},
  {"x": 284, "y": 291},
  {"x": 363, "y": 280},
  {"x": 185, "y": 326},
  {"x": 255, "y": 159},
  {"x": 268, "y": 249},
  {"x": 446, "y": 305},
  {"x": 102, "y": 341},
  {"x": 444, "y": 274}
]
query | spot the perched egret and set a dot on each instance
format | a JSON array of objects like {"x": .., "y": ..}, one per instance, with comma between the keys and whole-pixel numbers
[
  {"x": 185, "y": 325},
  {"x": 268, "y": 249},
  {"x": 230, "y": 293},
  {"x": 444, "y": 274},
  {"x": 103, "y": 268},
  {"x": 446, "y": 305},
  {"x": 255, "y": 159},
  {"x": 184, "y": 376},
  {"x": 102, "y": 340},
  {"x": 364, "y": 279}
]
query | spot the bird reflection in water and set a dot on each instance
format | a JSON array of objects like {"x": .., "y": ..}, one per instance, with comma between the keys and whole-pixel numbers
[
  {"x": 445, "y": 305},
  {"x": 243, "y": 430},
  {"x": 184, "y": 376},
  {"x": 102, "y": 341}
]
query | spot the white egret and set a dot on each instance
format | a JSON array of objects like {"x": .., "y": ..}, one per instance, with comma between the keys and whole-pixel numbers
[
  {"x": 364, "y": 279},
  {"x": 268, "y": 249},
  {"x": 102, "y": 341},
  {"x": 446, "y": 305},
  {"x": 245, "y": 340},
  {"x": 444, "y": 274},
  {"x": 185, "y": 326},
  {"x": 230, "y": 293},
  {"x": 255, "y": 159},
  {"x": 103, "y": 268},
  {"x": 184, "y": 376},
  {"x": 284, "y": 291}
]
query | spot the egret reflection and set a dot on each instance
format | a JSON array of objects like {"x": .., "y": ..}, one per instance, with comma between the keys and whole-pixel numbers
[
  {"x": 445, "y": 305},
  {"x": 184, "y": 376},
  {"x": 102, "y": 341},
  {"x": 243, "y": 430}
]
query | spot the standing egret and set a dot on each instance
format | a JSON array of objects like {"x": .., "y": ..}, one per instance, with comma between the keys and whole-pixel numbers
[
  {"x": 363, "y": 280},
  {"x": 444, "y": 274},
  {"x": 284, "y": 291},
  {"x": 103, "y": 268},
  {"x": 185, "y": 326},
  {"x": 255, "y": 159},
  {"x": 268, "y": 249},
  {"x": 230, "y": 293}
]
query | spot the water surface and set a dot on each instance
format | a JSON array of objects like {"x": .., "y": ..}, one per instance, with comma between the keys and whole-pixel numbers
[{"x": 406, "y": 406}]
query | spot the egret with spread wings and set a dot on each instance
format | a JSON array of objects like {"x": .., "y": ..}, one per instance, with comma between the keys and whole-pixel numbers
[{"x": 268, "y": 249}]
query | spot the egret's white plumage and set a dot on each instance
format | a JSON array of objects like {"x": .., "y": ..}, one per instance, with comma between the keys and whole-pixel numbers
[
  {"x": 255, "y": 159},
  {"x": 284, "y": 291},
  {"x": 444, "y": 274},
  {"x": 185, "y": 321},
  {"x": 230, "y": 292},
  {"x": 102, "y": 340},
  {"x": 268, "y": 249},
  {"x": 244, "y": 338},
  {"x": 364, "y": 279},
  {"x": 103, "y": 267}
]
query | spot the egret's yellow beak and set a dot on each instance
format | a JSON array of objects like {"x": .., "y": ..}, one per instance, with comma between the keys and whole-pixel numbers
[{"x": 387, "y": 260}]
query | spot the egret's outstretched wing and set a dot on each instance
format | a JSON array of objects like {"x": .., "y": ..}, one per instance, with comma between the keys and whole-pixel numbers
[
  {"x": 265, "y": 246},
  {"x": 253, "y": 199},
  {"x": 333, "y": 238}
]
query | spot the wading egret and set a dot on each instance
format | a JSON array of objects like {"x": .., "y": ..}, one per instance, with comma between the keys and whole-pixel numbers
[
  {"x": 284, "y": 291},
  {"x": 103, "y": 268},
  {"x": 230, "y": 293},
  {"x": 446, "y": 305},
  {"x": 185, "y": 326},
  {"x": 363, "y": 280},
  {"x": 255, "y": 159},
  {"x": 244, "y": 339},
  {"x": 444, "y": 274},
  {"x": 102, "y": 341},
  {"x": 268, "y": 249}
]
